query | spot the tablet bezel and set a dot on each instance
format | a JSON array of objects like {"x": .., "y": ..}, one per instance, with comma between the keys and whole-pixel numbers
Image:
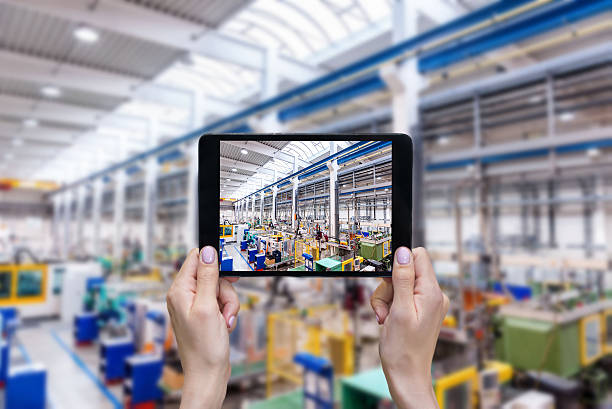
[{"x": 209, "y": 162}]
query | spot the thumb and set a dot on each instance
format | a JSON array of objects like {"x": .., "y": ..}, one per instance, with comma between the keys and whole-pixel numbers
[
  {"x": 207, "y": 279},
  {"x": 403, "y": 277}
]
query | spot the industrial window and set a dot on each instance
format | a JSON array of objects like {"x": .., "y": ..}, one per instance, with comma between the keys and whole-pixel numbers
[
  {"x": 29, "y": 283},
  {"x": 5, "y": 284}
]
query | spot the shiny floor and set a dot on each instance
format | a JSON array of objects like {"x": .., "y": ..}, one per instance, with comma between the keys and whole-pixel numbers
[{"x": 72, "y": 373}]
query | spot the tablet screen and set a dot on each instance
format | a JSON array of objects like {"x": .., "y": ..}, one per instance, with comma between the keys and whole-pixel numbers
[{"x": 305, "y": 206}]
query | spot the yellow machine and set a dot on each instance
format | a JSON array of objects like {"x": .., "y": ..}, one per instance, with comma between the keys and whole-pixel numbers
[
  {"x": 322, "y": 331},
  {"x": 23, "y": 284},
  {"x": 457, "y": 388},
  {"x": 606, "y": 326},
  {"x": 591, "y": 343},
  {"x": 352, "y": 264},
  {"x": 226, "y": 231}
]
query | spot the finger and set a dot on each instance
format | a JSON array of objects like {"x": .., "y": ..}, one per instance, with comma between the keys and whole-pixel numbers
[
  {"x": 207, "y": 275},
  {"x": 425, "y": 274},
  {"x": 381, "y": 301},
  {"x": 232, "y": 279},
  {"x": 403, "y": 278},
  {"x": 180, "y": 294},
  {"x": 229, "y": 303},
  {"x": 187, "y": 274}
]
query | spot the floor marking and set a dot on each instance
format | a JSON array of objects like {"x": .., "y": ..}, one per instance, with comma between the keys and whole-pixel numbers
[
  {"x": 24, "y": 352},
  {"x": 239, "y": 253},
  {"x": 87, "y": 371}
]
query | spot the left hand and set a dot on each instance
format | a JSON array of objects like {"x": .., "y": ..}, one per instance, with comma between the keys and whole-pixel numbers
[{"x": 203, "y": 311}]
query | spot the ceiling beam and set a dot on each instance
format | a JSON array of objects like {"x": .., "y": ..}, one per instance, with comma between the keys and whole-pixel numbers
[
  {"x": 49, "y": 72},
  {"x": 21, "y": 107},
  {"x": 135, "y": 21}
]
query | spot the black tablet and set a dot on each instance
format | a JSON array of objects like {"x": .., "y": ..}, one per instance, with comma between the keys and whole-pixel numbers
[{"x": 322, "y": 205}]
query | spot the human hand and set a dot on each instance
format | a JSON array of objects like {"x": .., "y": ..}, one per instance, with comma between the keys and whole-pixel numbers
[
  {"x": 203, "y": 311},
  {"x": 411, "y": 307}
]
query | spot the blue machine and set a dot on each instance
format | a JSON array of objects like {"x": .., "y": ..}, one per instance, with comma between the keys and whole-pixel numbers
[
  {"x": 244, "y": 245},
  {"x": 318, "y": 381},
  {"x": 143, "y": 373},
  {"x": 26, "y": 387},
  {"x": 4, "y": 362},
  {"x": 10, "y": 321},
  {"x": 252, "y": 253},
  {"x": 85, "y": 328},
  {"x": 261, "y": 261},
  {"x": 308, "y": 261},
  {"x": 227, "y": 263},
  {"x": 113, "y": 353}
]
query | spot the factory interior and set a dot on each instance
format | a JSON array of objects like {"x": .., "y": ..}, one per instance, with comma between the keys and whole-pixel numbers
[
  {"x": 285, "y": 223},
  {"x": 509, "y": 107}
]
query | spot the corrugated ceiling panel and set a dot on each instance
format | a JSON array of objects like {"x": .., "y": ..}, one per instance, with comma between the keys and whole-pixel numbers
[
  {"x": 34, "y": 33},
  {"x": 209, "y": 13}
]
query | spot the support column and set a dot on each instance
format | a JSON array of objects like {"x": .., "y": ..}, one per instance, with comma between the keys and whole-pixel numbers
[
  {"x": 81, "y": 192},
  {"x": 96, "y": 216},
  {"x": 191, "y": 227},
  {"x": 150, "y": 194},
  {"x": 261, "y": 204},
  {"x": 404, "y": 81},
  {"x": 334, "y": 221},
  {"x": 294, "y": 203},
  {"x": 253, "y": 209},
  {"x": 274, "y": 192},
  {"x": 119, "y": 215},
  {"x": 57, "y": 220},
  {"x": 66, "y": 242}
]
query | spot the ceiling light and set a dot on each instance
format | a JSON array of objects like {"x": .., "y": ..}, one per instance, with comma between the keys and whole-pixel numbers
[
  {"x": 51, "y": 91},
  {"x": 234, "y": 170},
  {"x": 30, "y": 123},
  {"x": 244, "y": 151},
  {"x": 593, "y": 152},
  {"x": 8, "y": 156},
  {"x": 443, "y": 140},
  {"x": 17, "y": 142},
  {"x": 227, "y": 180},
  {"x": 86, "y": 34},
  {"x": 566, "y": 116}
]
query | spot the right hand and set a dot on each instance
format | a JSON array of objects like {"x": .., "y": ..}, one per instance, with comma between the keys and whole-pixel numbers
[{"x": 411, "y": 307}]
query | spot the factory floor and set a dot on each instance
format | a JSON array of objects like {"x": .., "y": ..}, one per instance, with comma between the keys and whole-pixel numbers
[
  {"x": 240, "y": 258},
  {"x": 72, "y": 373}
]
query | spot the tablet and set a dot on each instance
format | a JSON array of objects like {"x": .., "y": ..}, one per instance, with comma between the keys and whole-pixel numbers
[{"x": 323, "y": 205}]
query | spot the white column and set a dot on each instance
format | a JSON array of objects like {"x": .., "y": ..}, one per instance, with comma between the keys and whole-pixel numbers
[
  {"x": 333, "y": 193},
  {"x": 274, "y": 192},
  {"x": 150, "y": 193},
  {"x": 66, "y": 242},
  {"x": 96, "y": 215},
  {"x": 119, "y": 204},
  {"x": 57, "y": 221},
  {"x": 192, "y": 228},
  {"x": 253, "y": 208},
  {"x": 261, "y": 203},
  {"x": 119, "y": 214},
  {"x": 81, "y": 193},
  {"x": 294, "y": 203}
]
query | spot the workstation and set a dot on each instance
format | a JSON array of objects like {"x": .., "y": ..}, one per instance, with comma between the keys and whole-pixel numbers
[{"x": 508, "y": 107}]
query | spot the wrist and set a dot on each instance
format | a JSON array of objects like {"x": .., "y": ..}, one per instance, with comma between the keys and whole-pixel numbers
[
  {"x": 202, "y": 393},
  {"x": 412, "y": 391}
]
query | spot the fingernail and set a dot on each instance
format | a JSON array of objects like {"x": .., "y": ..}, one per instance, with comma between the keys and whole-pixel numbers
[
  {"x": 403, "y": 255},
  {"x": 377, "y": 319},
  {"x": 231, "y": 320},
  {"x": 208, "y": 255}
]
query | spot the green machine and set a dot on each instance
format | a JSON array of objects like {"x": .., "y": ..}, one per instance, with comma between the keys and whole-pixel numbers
[
  {"x": 328, "y": 264},
  {"x": 374, "y": 249},
  {"x": 527, "y": 344}
]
